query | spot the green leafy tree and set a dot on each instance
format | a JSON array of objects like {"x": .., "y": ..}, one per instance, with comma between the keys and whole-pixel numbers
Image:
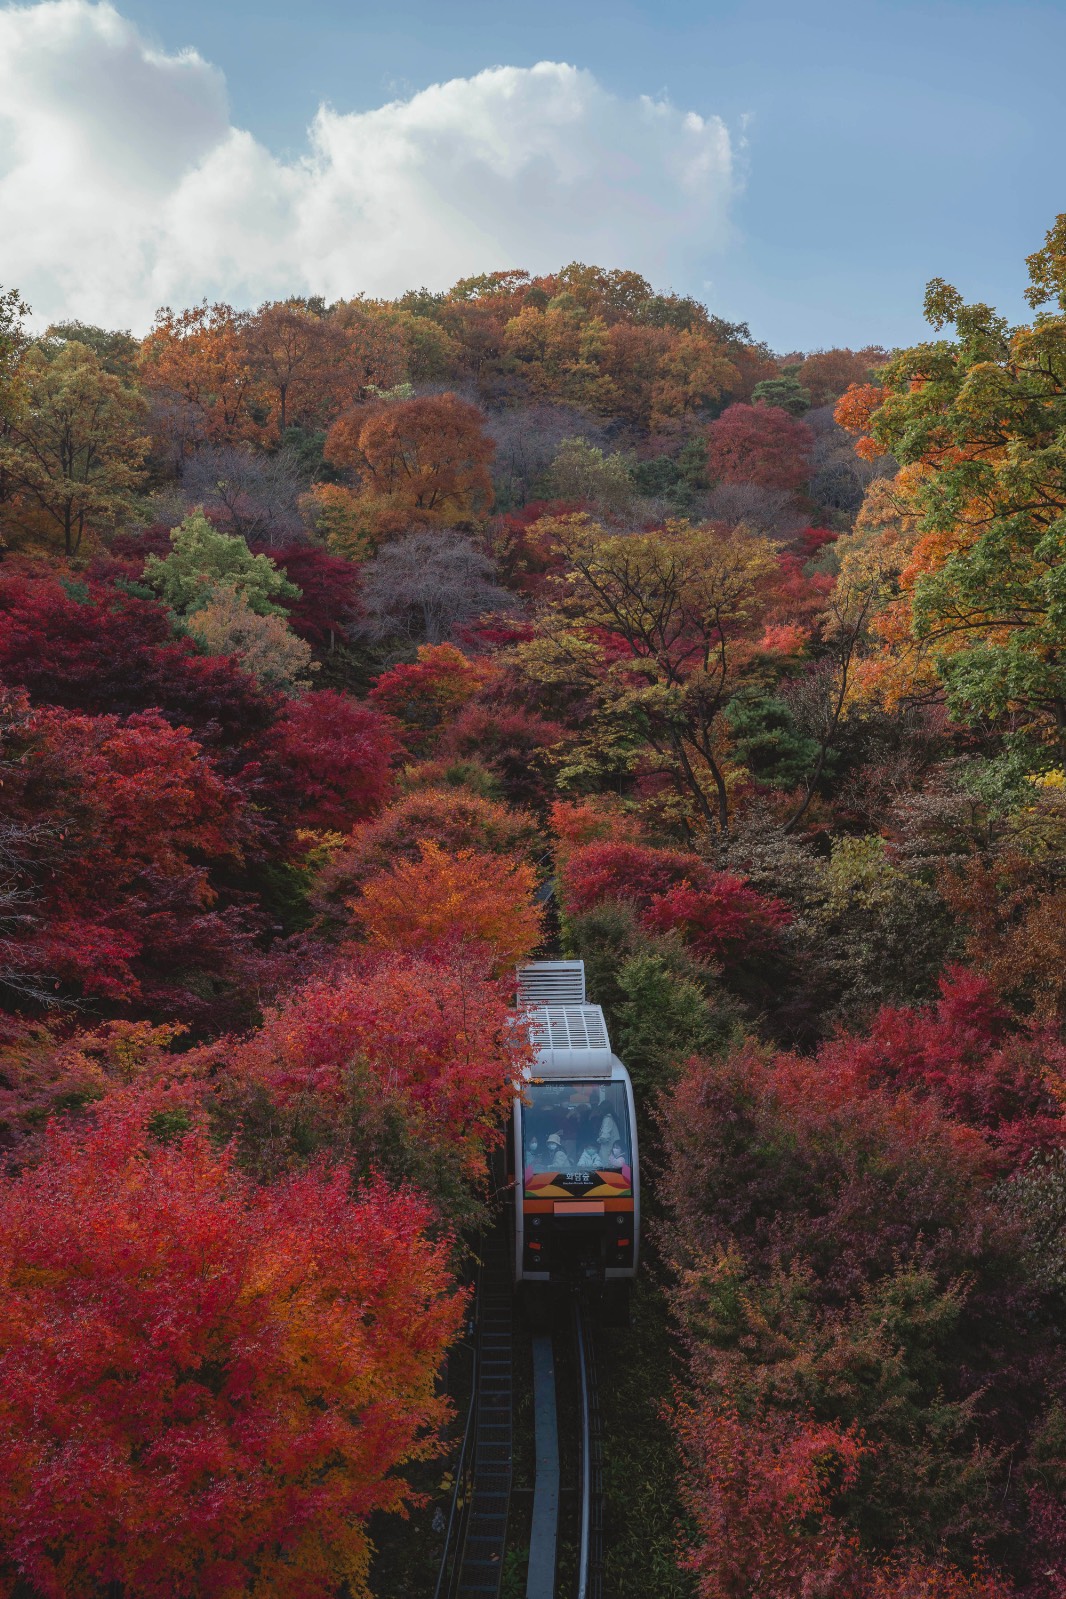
[
  {"x": 662, "y": 1002},
  {"x": 116, "y": 350},
  {"x": 978, "y": 422},
  {"x": 881, "y": 933},
  {"x": 767, "y": 741},
  {"x": 73, "y": 451},
  {"x": 786, "y": 392},
  {"x": 12, "y": 343},
  {"x": 664, "y": 1016},
  {"x": 580, "y": 471},
  {"x": 681, "y": 480},
  {"x": 203, "y": 561}
]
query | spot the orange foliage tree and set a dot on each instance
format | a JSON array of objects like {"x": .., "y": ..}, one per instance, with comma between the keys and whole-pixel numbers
[
  {"x": 660, "y": 374},
  {"x": 454, "y": 818},
  {"x": 427, "y": 457},
  {"x": 603, "y": 339},
  {"x": 377, "y": 347},
  {"x": 855, "y": 411},
  {"x": 598, "y": 818},
  {"x": 827, "y": 373},
  {"x": 207, "y": 1387},
  {"x": 423, "y": 694},
  {"x": 197, "y": 365},
  {"x": 976, "y": 422},
  {"x": 300, "y": 357},
  {"x": 446, "y": 897}
]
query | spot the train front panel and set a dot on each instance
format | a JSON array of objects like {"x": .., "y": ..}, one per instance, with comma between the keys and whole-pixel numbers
[{"x": 577, "y": 1196}]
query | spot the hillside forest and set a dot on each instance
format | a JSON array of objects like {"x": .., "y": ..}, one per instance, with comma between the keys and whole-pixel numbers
[{"x": 352, "y": 653}]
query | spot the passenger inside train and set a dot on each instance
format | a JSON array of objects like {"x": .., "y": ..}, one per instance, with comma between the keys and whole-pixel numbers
[{"x": 575, "y": 1128}]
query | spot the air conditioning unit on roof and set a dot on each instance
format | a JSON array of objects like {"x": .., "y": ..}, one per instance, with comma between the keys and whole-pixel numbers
[
  {"x": 551, "y": 983},
  {"x": 570, "y": 1041}
]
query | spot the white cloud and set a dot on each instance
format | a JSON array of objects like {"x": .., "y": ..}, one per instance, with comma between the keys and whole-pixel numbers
[{"x": 124, "y": 184}]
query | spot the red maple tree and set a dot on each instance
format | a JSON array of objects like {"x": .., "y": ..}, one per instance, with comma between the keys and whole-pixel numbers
[
  {"x": 434, "y": 1028},
  {"x": 759, "y": 444},
  {"x": 206, "y": 1388}
]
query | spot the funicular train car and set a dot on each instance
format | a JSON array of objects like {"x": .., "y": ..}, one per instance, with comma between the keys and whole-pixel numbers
[{"x": 574, "y": 1150}]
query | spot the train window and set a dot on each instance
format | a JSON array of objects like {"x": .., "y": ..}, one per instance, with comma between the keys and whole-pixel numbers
[{"x": 578, "y": 1132}]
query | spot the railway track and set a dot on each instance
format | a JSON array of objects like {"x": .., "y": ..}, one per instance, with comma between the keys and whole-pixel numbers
[
  {"x": 476, "y": 1536},
  {"x": 472, "y": 1566}
]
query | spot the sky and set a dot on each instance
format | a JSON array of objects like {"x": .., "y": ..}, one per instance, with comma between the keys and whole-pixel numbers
[{"x": 805, "y": 168}]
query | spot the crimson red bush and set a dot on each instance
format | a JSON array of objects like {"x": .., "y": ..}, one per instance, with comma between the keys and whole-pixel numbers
[
  {"x": 90, "y": 647},
  {"x": 114, "y": 830},
  {"x": 632, "y": 872},
  {"x": 716, "y": 912},
  {"x": 329, "y": 760},
  {"x": 724, "y": 920},
  {"x": 329, "y": 589},
  {"x": 969, "y": 1054}
]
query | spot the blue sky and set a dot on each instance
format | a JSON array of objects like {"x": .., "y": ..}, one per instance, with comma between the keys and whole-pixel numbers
[{"x": 875, "y": 144}]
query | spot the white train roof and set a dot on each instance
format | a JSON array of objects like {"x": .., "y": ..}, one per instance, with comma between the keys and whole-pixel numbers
[
  {"x": 570, "y": 1041},
  {"x": 569, "y": 1035}
]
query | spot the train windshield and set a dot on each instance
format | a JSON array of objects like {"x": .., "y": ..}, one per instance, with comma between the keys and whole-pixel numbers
[{"x": 576, "y": 1140}]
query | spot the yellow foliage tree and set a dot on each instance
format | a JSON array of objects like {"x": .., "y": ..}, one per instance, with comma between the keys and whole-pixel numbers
[
  {"x": 72, "y": 453},
  {"x": 655, "y": 632},
  {"x": 265, "y": 646}
]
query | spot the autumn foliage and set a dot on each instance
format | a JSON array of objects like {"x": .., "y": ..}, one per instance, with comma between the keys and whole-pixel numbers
[
  {"x": 763, "y": 1508},
  {"x": 765, "y": 1516},
  {"x": 431, "y": 1027},
  {"x": 423, "y": 694},
  {"x": 716, "y": 912},
  {"x": 451, "y": 898},
  {"x": 425, "y": 458},
  {"x": 199, "y": 363},
  {"x": 970, "y": 1056},
  {"x": 865, "y": 1358},
  {"x": 207, "y": 1387},
  {"x": 112, "y": 828},
  {"x": 92, "y": 647},
  {"x": 335, "y": 758},
  {"x": 352, "y": 653},
  {"x": 759, "y": 444}
]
